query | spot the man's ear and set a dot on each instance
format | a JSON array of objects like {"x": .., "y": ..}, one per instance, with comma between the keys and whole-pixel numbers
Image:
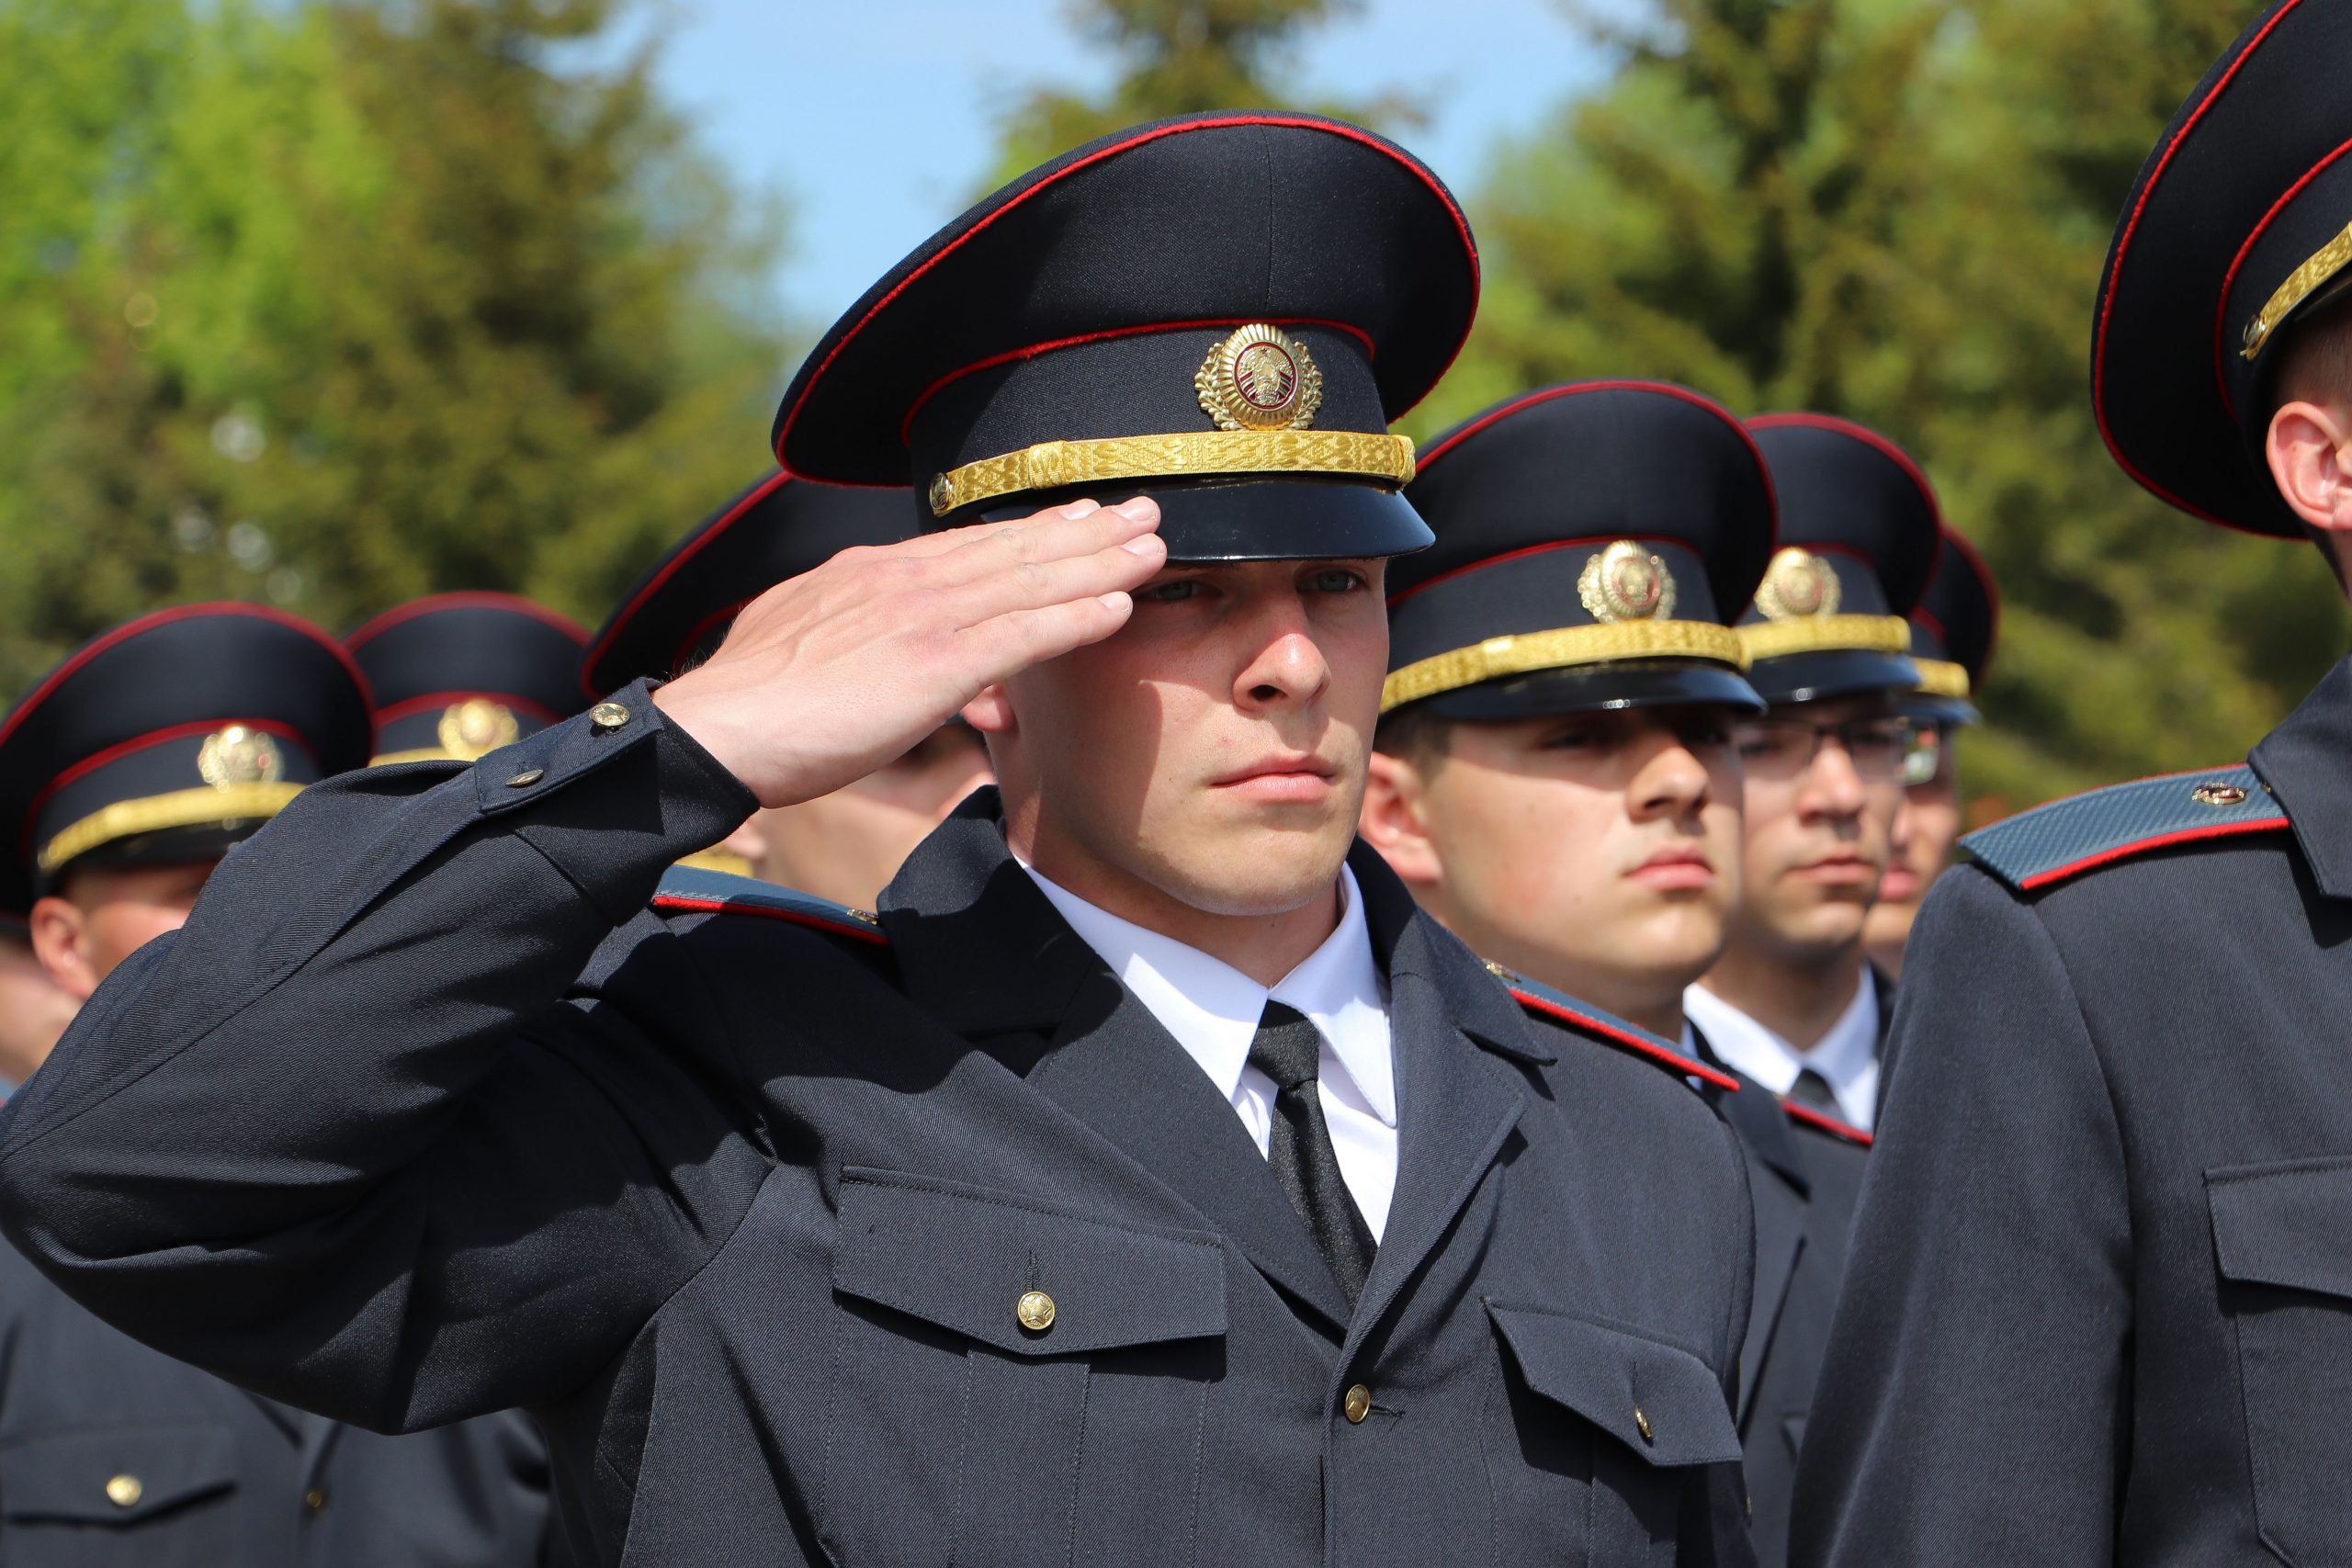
[
  {"x": 2309, "y": 447},
  {"x": 59, "y": 937},
  {"x": 1395, "y": 820}
]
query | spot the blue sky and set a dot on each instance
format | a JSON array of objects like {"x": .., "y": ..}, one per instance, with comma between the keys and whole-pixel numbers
[{"x": 875, "y": 118}]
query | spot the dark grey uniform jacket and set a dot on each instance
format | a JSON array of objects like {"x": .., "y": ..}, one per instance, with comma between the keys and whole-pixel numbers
[
  {"x": 114, "y": 1456},
  {"x": 1805, "y": 1174},
  {"x": 744, "y": 1215},
  {"x": 2099, "y": 1306}
]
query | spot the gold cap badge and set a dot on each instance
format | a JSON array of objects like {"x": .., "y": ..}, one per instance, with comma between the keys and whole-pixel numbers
[
  {"x": 238, "y": 755},
  {"x": 474, "y": 728},
  {"x": 1260, "y": 377},
  {"x": 1626, "y": 582},
  {"x": 1797, "y": 584}
]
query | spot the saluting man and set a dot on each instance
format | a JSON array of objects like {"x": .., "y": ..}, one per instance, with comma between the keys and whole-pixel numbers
[
  {"x": 125, "y": 776},
  {"x": 1149, "y": 1182},
  {"x": 843, "y": 846},
  {"x": 1557, "y": 777},
  {"x": 2101, "y": 1311}
]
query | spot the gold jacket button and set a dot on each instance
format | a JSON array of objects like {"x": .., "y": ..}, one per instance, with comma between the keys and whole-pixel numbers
[
  {"x": 1035, "y": 1311},
  {"x": 124, "y": 1491},
  {"x": 526, "y": 778},
  {"x": 315, "y": 1500},
  {"x": 1642, "y": 1423},
  {"x": 608, "y": 716},
  {"x": 1357, "y": 1404}
]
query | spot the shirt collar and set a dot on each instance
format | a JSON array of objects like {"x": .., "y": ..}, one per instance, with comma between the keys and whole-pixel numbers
[
  {"x": 1213, "y": 1009},
  {"x": 1848, "y": 1051}
]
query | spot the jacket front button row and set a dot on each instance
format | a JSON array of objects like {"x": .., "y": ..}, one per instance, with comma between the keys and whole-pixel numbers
[
  {"x": 1035, "y": 1311},
  {"x": 1357, "y": 1404},
  {"x": 315, "y": 1500},
  {"x": 124, "y": 1491}
]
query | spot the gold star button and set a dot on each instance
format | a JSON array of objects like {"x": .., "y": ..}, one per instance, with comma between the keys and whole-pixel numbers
[
  {"x": 1357, "y": 1404},
  {"x": 1035, "y": 1311},
  {"x": 608, "y": 716},
  {"x": 124, "y": 1491}
]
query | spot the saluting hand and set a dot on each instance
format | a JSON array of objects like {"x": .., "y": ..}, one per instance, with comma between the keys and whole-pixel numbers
[{"x": 826, "y": 677}]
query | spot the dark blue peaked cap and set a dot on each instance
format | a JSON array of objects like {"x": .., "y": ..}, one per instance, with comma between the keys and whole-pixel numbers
[
  {"x": 1593, "y": 542},
  {"x": 778, "y": 529},
  {"x": 1860, "y": 533},
  {"x": 459, "y": 675},
  {"x": 1953, "y": 628},
  {"x": 1226, "y": 311},
  {"x": 2238, "y": 229},
  {"x": 170, "y": 738}
]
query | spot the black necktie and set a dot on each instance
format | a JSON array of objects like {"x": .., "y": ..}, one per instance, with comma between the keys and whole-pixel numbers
[
  {"x": 1812, "y": 1088},
  {"x": 1298, "y": 1146}
]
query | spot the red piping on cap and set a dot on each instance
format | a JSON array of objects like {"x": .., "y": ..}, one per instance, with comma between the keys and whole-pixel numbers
[
  {"x": 431, "y": 700},
  {"x": 183, "y": 613},
  {"x": 433, "y": 603},
  {"x": 1655, "y": 1052},
  {"x": 1812, "y": 1117},
  {"x": 680, "y": 903},
  {"x": 1976, "y": 564},
  {"x": 1524, "y": 550},
  {"x": 1010, "y": 354},
  {"x": 1461, "y": 224},
  {"x": 2162, "y": 840},
  {"x": 153, "y": 738},
  {"x": 1886, "y": 449},
  {"x": 693, "y": 547},
  {"x": 2229, "y": 278},
  {"x": 2115, "y": 270}
]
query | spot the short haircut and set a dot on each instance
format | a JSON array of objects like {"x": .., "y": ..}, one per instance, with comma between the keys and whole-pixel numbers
[
  {"x": 1417, "y": 732},
  {"x": 2315, "y": 360}
]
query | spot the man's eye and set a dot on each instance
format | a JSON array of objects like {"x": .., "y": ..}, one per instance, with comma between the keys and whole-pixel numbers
[
  {"x": 1171, "y": 592},
  {"x": 1575, "y": 740},
  {"x": 1338, "y": 579}
]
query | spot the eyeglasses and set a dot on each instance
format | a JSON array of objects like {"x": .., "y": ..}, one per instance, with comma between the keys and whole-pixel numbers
[
  {"x": 1924, "y": 755},
  {"x": 1779, "y": 750}
]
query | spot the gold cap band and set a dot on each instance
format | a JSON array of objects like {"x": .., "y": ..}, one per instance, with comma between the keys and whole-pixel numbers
[
  {"x": 1818, "y": 634},
  {"x": 1942, "y": 678},
  {"x": 1563, "y": 648},
  {"x": 2301, "y": 285},
  {"x": 1053, "y": 464},
  {"x": 203, "y": 807}
]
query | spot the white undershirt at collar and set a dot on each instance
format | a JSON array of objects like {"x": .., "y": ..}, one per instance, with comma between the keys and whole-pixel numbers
[
  {"x": 1846, "y": 1057},
  {"x": 1213, "y": 1009}
]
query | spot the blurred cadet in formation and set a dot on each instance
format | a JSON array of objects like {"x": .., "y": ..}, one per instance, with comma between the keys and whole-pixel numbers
[
  {"x": 2100, "y": 1307},
  {"x": 1148, "y": 1178},
  {"x": 1794, "y": 1002},
  {"x": 844, "y": 847},
  {"x": 126, "y": 775},
  {"x": 1953, "y": 631},
  {"x": 34, "y": 1009},
  {"x": 1557, "y": 779},
  {"x": 456, "y": 676}
]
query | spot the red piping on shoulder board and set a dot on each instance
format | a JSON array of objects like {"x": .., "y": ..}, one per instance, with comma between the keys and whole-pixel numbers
[
  {"x": 1830, "y": 1124},
  {"x": 679, "y": 903},
  {"x": 1658, "y": 1054},
  {"x": 2140, "y": 846}
]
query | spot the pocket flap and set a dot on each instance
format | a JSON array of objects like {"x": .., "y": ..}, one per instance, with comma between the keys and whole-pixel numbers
[
  {"x": 2284, "y": 1224},
  {"x": 1622, "y": 1382},
  {"x": 115, "y": 1476},
  {"x": 963, "y": 1257}
]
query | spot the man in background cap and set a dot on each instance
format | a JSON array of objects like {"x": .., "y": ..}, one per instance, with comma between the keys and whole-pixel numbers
[
  {"x": 456, "y": 676},
  {"x": 125, "y": 776},
  {"x": 1146, "y": 1180},
  {"x": 2100, "y": 1310},
  {"x": 844, "y": 846},
  {"x": 1557, "y": 778},
  {"x": 1793, "y": 1002}
]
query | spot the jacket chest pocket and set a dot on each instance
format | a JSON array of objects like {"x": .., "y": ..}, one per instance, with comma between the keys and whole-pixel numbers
[
  {"x": 1590, "y": 1422},
  {"x": 1012, "y": 1382},
  {"x": 2282, "y": 1245},
  {"x": 150, "y": 1495}
]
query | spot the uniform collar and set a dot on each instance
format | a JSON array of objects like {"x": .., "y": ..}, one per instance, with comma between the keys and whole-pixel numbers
[
  {"x": 1846, "y": 1057},
  {"x": 1213, "y": 1009},
  {"x": 2302, "y": 763}
]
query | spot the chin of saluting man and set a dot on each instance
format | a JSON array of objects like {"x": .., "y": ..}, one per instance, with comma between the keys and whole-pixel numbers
[
  {"x": 2099, "y": 1308},
  {"x": 1147, "y": 1182}
]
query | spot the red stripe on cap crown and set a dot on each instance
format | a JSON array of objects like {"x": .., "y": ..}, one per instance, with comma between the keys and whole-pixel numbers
[
  {"x": 469, "y": 599},
  {"x": 1461, "y": 224},
  {"x": 153, "y": 738},
  {"x": 2229, "y": 278},
  {"x": 1976, "y": 563},
  {"x": 613, "y": 627}
]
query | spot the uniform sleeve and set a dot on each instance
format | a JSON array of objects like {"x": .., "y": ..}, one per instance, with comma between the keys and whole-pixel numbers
[
  {"x": 1971, "y": 1405},
  {"x": 418, "y": 1116}
]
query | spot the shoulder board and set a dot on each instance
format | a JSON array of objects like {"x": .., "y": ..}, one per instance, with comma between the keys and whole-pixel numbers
[
  {"x": 1807, "y": 1116},
  {"x": 2066, "y": 838},
  {"x": 1560, "y": 1008},
  {"x": 689, "y": 890}
]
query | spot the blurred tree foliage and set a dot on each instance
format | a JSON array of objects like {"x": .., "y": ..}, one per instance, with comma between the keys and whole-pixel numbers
[
  {"x": 336, "y": 303},
  {"x": 1896, "y": 211}
]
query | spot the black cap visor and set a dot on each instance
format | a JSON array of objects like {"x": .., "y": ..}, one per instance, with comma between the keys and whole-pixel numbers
[
  {"x": 1831, "y": 672},
  {"x": 1593, "y": 688},
  {"x": 1251, "y": 517},
  {"x": 1928, "y": 709},
  {"x": 200, "y": 843}
]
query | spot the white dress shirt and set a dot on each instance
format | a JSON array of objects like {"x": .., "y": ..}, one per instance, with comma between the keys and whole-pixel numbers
[
  {"x": 1846, "y": 1057},
  {"x": 1212, "y": 1009}
]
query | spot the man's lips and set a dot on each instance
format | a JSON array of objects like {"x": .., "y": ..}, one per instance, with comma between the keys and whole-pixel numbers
[
  {"x": 1675, "y": 867},
  {"x": 1844, "y": 870},
  {"x": 1899, "y": 883},
  {"x": 1281, "y": 779}
]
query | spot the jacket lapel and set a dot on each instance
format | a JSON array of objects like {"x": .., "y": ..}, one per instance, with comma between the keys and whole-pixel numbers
[{"x": 1781, "y": 1201}]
